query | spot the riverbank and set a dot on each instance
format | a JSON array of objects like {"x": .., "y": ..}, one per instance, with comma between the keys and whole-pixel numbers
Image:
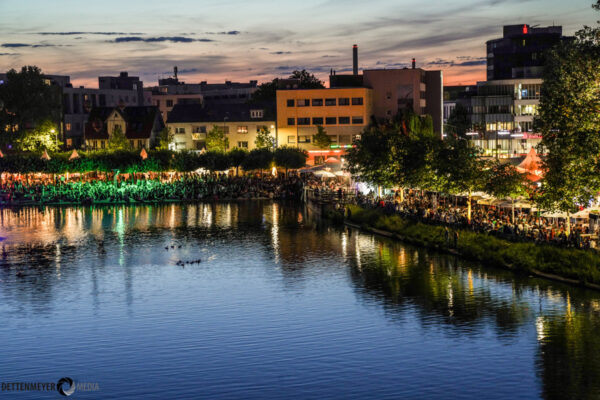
[{"x": 572, "y": 266}]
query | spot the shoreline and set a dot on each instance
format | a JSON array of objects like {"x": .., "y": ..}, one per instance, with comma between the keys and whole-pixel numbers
[{"x": 484, "y": 257}]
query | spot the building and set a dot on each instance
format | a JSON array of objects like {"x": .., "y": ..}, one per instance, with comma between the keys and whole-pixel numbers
[
  {"x": 454, "y": 95},
  {"x": 520, "y": 53},
  {"x": 240, "y": 122},
  {"x": 166, "y": 102},
  {"x": 141, "y": 125},
  {"x": 397, "y": 89},
  {"x": 123, "y": 82},
  {"x": 505, "y": 106},
  {"x": 343, "y": 112}
]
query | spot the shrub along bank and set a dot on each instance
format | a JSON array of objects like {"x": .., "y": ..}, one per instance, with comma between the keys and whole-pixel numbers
[{"x": 571, "y": 265}]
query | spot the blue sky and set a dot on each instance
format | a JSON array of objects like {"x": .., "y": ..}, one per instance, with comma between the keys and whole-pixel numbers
[{"x": 259, "y": 39}]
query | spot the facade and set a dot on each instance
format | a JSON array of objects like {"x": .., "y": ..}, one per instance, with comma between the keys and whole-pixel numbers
[
  {"x": 504, "y": 110},
  {"x": 78, "y": 102},
  {"x": 520, "y": 51},
  {"x": 166, "y": 102},
  {"x": 343, "y": 112},
  {"x": 123, "y": 82},
  {"x": 240, "y": 122},
  {"x": 454, "y": 95},
  {"x": 141, "y": 125},
  {"x": 217, "y": 93}
]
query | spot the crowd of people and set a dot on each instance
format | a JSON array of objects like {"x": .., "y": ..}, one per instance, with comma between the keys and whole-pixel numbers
[
  {"x": 526, "y": 226},
  {"x": 142, "y": 189}
]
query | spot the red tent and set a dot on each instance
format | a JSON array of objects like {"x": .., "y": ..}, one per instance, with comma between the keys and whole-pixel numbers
[{"x": 532, "y": 166}]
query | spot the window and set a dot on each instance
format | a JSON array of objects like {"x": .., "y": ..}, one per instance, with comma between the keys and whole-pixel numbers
[
  {"x": 225, "y": 129},
  {"x": 317, "y": 102},
  {"x": 199, "y": 129},
  {"x": 131, "y": 144},
  {"x": 169, "y": 103},
  {"x": 304, "y": 139},
  {"x": 291, "y": 121},
  {"x": 102, "y": 144},
  {"x": 259, "y": 127},
  {"x": 344, "y": 101},
  {"x": 180, "y": 130},
  {"x": 357, "y": 101},
  {"x": 242, "y": 129},
  {"x": 344, "y": 120},
  {"x": 333, "y": 138},
  {"x": 357, "y": 120},
  {"x": 330, "y": 121},
  {"x": 102, "y": 100},
  {"x": 303, "y": 121},
  {"x": 303, "y": 103},
  {"x": 117, "y": 126},
  {"x": 242, "y": 145},
  {"x": 157, "y": 103},
  {"x": 388, "y": 95},
  {"x": 330, "y": 102},
  {"x": 68, "y": 127},
  {"x": 291, "y": 139},
  {"x": 140, "y": 144},
  {"x": 290, "y": 102},
  {"x": 317, "y": 121},
  {"x": 256, "y": 113}
]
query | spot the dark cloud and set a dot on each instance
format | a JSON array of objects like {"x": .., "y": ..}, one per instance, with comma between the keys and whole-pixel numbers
[
  {"x": 89, "y": 33},
  {"x": 17, "y": 45},
  {"x": 173, "y": 39},
  {"x": 281, "y": 52},
  {"x": 224, "y": 33},
  {"x": 461, "y": 61},
  {"x": 471, "y": 63},
  {"x": 9, "y": 54}
]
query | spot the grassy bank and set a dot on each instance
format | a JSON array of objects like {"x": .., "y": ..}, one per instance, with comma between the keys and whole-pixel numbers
[{"x": 577, "y": 265}]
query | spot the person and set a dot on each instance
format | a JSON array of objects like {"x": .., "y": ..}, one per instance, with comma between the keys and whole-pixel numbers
[
  {"x": 447, "y": 236},
  {"x": 455, "y": 239}
]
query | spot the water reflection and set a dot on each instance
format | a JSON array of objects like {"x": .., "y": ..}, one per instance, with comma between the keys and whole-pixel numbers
[{"x": 48, "y": 249}]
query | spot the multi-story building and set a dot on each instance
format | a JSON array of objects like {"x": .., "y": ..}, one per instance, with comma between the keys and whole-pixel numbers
[
  {"x": 240, "y": 123},
  {"x": 398, "y": 89},
  {"x": 123, "y": 82},
  {"x": 343, "y": 112},
  {"x": 140, "y": 124},
  {"x": 166, "y": 102},
  {"x": 506, "y": 104}
]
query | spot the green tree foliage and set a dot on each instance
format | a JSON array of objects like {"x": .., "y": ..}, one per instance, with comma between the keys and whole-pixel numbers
[
  {"x": 237, "y": 157},
  {"x": 165, "y": 138},
  {"x": 459, "y": 121},
  {"x": 216, "y": 140},
  {"x": 258, "y": 159},
  {"x": 264, "y": 140},
  {"x": 27, "y": 101},
  {"x": 267, "y": 92},
  {"x": 370, "y": 158},
  {"x": 321, "y": 139},
  {"x": 290, "y": 157},
  {"x": 117, "y": 140},
  {"x": 503, "y": 180},
  {"x": 569, "y": 120},
  {"x": 40, "y": 138},
  {"x": 461, "y": 168}
]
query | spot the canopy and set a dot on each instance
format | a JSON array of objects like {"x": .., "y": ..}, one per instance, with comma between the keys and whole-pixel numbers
[
  {"x": 531, "y": 165},
  {"x": 342, "y": 173},
  {"x": 45, "y": 156},
  {"x": 74, "y": 155},
  {"x": 324, "y": 174},
  {"x": 554, "y": 214},
  {"x": 143, "y": 154},
  {"x": 332, "y": 160}
]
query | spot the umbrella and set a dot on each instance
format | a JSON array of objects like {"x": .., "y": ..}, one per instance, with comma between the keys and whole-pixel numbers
[
  {"x": 45, "y": 156},
  {"x": 74, "y": 155},
  {"x": 342, "y": 173},
  {"x": 143, "y": 154},
  {"x": 324, "y": 174},
  {"x": 554, "y": 214},
  {"x": 332, "y": 160}
]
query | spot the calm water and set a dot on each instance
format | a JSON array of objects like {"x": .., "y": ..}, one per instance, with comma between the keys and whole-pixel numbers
[{"x": 281, "y": 306}]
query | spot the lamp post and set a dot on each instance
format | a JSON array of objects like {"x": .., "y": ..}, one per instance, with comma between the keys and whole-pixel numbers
[{"x": 275, "y": 141}]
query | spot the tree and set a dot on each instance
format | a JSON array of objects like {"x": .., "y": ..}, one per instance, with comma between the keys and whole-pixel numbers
[
  {"x": 461, "y": 168},
  {"x": 321, "y": 139},
  {"x": 165, "y": 138},
  {"x": 236, "y": 158},
  {"x": 117, "y": 140},
  {"x": 267, "y": 92},
  {"x": 216, "y": 139},
  {"x": 503, "y": 180},
  {"x": 258, "y": 159},
  {"x": 43, "y": 137},
  {"x": 264, "y": 140},
  {"x": 459, "y": 121},
  {"x": 569, "y": 120},
  {"x": 27, "y": 101},
  {"x": 307, "y": 80},
  {"x": 290, "y": 158}
]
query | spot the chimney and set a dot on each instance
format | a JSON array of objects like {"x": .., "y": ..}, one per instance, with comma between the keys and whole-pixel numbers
[
  {"x": 414, "y": 63},
  {"x": 355, "y": 59}
]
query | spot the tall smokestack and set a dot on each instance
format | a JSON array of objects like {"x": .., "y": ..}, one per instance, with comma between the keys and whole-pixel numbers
[
  {"x": 414, "y": 63},
  {"x": 355, "y": 59}
]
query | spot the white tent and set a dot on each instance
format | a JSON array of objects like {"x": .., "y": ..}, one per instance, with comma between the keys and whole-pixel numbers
[{"x": 324, "y": 174}]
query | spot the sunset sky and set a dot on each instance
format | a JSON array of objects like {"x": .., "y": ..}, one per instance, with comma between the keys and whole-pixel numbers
[{"x": 259, "y": 39}]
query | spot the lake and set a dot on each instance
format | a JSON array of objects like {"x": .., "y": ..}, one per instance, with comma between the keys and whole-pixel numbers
[{"x": 281, "y": 305}]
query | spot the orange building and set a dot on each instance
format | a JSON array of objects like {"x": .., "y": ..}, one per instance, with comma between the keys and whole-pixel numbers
[{"x": 343, "y": 112}]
